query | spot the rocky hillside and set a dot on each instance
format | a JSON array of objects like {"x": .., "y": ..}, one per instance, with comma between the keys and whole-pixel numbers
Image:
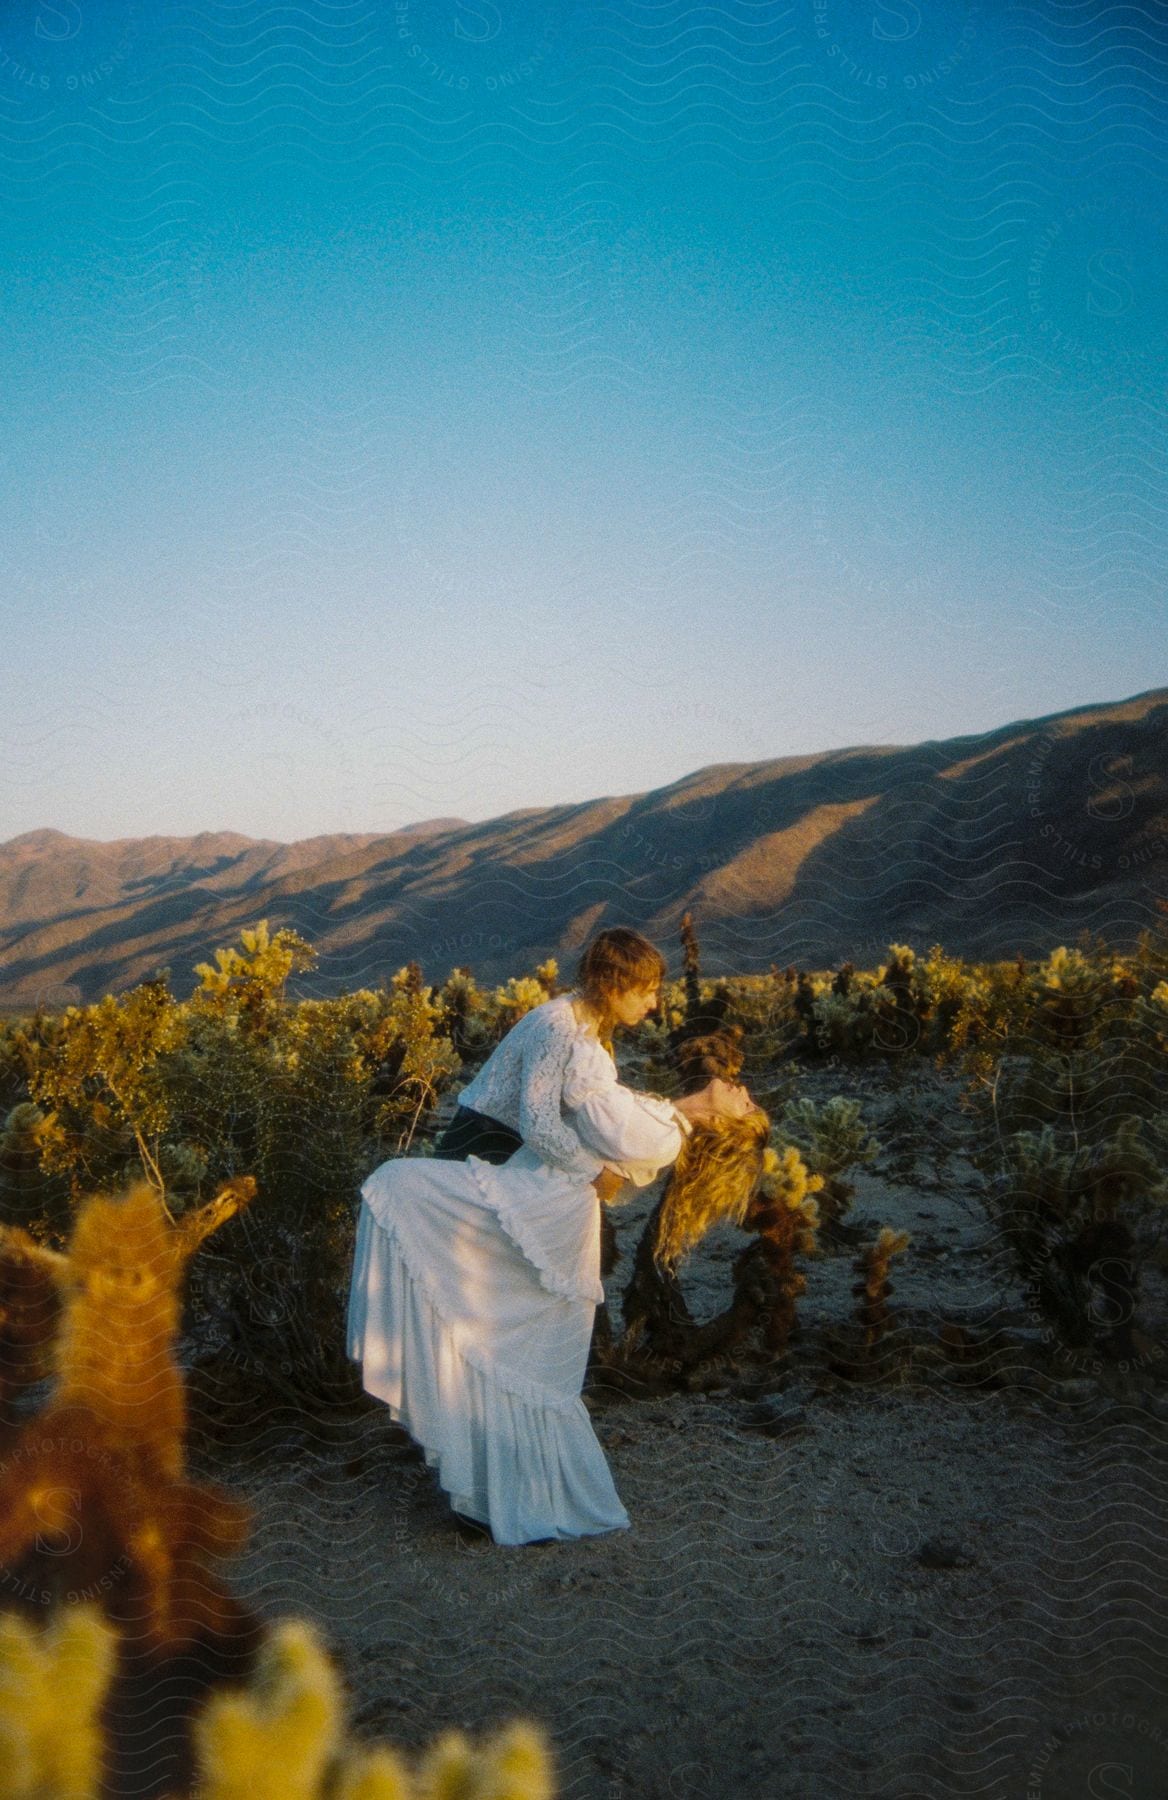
[{"x": 1014, "y": 839}]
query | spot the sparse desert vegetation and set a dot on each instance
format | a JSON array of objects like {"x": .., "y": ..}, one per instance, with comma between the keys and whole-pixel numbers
[{"x": 940, "y": 1249}]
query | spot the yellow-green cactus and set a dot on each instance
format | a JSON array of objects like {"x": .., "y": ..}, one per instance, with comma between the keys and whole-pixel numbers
[
  {"x": 274, "y": 1739},
  {"x": 512, "y": 1765},
  {"x": 52, "y": 1683},
  {"x": 374, "y": 1775},
  {"x": 873, "y": 1287},
  {"x": 261, "y": 971},
  {"x": 282, "y": 1738},
  {"x": 279, "y": 1738}
]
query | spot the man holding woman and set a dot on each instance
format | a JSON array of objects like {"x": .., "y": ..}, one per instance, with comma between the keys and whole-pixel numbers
[{"x": 476, "y": 1272}]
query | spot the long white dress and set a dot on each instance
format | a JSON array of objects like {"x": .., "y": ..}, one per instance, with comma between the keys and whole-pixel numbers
[{"x": 471, "y": 1306}]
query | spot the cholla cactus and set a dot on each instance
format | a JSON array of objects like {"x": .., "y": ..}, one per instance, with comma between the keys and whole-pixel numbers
[
  {"x": 945, "y": 982},
  {"x": 109, "y": 1449},
  {"x": 548, "y": 975},
  {"x": 901, "y": 1001},
  {"x": 507, "y": 1004},
  {"x": 275, "y": 1738},
  {"x": 1066, "y": 1213},
  {"x": 23, "y": 1143},
  {"x": 461, "y": 1018},
  {"x": 1074, "y": 995},
  {"x": 787, "y": 1180},
  {"x": 785, "y": 1214},
  {"x": 512, "y": 1764},
  {"x": 373, "y": 1775},
  {"x": 831, "y": 1139},
  {"x": 256, "y": 978},
  {"x": 842, "y": 1023},
  {"x": 100, "y": 1073},
  {"x": 691, "y": 962},
  {"x": 282, "y": 1738},
  {"x": 52, "y": 1684},
  {"x": 408, "y": 1059},
  {"x": 874, "y": 1287},
  {"x": 408, "y": 979}
]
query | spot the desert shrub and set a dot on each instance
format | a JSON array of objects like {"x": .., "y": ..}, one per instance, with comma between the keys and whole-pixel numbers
[
  {"x": 1065, "y": 1078},
  {"x": 101, "y": 1077},
  {"x": 495, "y": 1012},
  {"x": 304, "y": 1097},
  {"x": 461, "y": 1015},
  {"x": 843, "y": 1024},
  {"x": 831, "y": 1139},
  {"x": 307, "y": 1098},
  {"x": 944, "y": 981}
]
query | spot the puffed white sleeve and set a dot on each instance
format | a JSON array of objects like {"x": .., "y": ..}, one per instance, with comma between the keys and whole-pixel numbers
[
  {"x": 640, "y": 1133},
  {"x": 541, "y": 1122}
]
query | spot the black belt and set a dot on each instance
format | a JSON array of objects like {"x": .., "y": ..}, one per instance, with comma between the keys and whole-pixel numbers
[{"x": 472, "y": 1133}]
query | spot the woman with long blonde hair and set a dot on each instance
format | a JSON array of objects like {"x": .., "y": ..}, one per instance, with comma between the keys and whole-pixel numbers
[{"x": 476, "y": 1271}]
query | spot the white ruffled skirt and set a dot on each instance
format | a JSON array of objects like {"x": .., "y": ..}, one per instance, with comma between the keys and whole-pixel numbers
[{"x": 471, "y": 1306}]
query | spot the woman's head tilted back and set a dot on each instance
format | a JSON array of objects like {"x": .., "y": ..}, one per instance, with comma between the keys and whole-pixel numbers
[{"x": 615, "y": 963}]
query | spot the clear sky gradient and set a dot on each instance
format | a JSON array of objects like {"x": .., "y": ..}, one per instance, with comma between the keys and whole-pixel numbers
[{"x": 440, "y": 407}]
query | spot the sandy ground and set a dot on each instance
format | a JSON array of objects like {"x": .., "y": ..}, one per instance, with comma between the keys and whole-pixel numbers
[{"x": 926, "y": 1587}]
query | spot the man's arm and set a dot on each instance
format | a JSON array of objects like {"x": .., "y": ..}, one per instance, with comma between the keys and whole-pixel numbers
[{"x": 541, "y": 1123}]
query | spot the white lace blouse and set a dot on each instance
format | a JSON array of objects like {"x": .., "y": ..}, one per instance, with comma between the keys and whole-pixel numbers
[{"x": 552, "y": 1081}]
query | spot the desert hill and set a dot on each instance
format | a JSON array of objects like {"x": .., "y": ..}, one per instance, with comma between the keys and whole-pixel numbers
[{"x": 1011, "y": 839}]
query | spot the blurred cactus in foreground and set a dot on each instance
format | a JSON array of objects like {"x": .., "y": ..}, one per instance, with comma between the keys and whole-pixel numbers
[
  {"x": 94, "y": 1501},
  {"x": 282, "y": 1737},
  {"x": 97, "y": 1481},
  {"x": 52, "y": 1684}
]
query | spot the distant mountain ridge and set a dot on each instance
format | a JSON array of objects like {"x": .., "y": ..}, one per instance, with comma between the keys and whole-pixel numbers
[{"x": 1012, "y": 839}]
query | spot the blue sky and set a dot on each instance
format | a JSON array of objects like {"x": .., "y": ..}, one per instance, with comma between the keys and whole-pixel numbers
[{"x": 441, "y": 408}]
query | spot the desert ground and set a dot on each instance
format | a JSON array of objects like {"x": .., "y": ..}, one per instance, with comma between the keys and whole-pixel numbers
[{"x": 948, "y": 1582}]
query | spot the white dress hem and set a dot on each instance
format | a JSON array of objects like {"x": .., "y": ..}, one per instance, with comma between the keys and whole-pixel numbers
[{"x": 509, "y": 1452}]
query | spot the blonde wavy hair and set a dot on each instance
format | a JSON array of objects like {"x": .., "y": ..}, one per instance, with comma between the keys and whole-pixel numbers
[{"x": 716, "y": 1175}]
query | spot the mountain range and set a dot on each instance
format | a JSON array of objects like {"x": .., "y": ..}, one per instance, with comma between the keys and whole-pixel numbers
[{"x": 1013, "y": 839}]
